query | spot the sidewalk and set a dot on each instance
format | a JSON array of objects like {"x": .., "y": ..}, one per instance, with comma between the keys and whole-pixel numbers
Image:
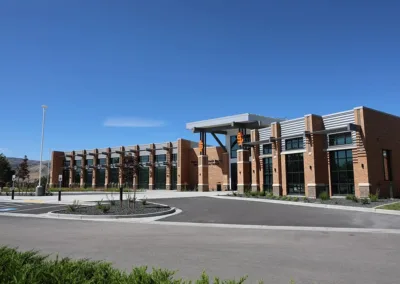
[{"x": 84, "y": 197}]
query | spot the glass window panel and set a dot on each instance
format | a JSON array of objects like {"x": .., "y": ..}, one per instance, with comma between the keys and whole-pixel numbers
[
  {"x": 161, "y": 158},
  {"x": 144, "y": 159},
  {"x": 342, "y": 175},
  {"x": 89, "y": 162}
]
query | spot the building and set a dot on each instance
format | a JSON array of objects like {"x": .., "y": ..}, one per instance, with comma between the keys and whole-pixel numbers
[{"x": 351, "y": 152}]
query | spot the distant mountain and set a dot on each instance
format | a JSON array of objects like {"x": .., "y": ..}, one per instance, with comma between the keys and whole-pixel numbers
[{"x": 33, "y": 167}]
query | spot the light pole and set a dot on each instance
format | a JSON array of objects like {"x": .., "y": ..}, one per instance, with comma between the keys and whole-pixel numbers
[{"x": 39, "y": 188}]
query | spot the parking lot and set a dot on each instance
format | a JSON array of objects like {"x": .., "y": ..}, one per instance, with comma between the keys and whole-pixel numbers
[
  {"x": 28, "y": 207},
  {"x": 229, "y": 211}
]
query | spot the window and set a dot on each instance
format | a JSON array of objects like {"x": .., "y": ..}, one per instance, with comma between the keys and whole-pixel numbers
[
  {"x": 78, "y": 163},
  {"x": 114, "y": 160},
  {"x": 102, "y": 161},
  {"x": 340, "y": 139},
  {"x": 387, "y": 166},
  {"x": 267, "y": 149},
  {"x": 174, "y": 157},
  {"x": 342, "y": 175},
  {"x": 295, "y": 173},
  {"x": 268, "y": 174},
  {"x": 89, "y": 162},
  {"x": 292, "y": 144},
  {"x": 67, "y": 164},
  {"x": 144, "y": 159},
  {"x": 235, "y": 146},
  {"x": 161, "y": 158}
]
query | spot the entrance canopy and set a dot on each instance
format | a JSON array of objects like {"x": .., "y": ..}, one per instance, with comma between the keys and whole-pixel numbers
[{"x": 220, "y": 125}]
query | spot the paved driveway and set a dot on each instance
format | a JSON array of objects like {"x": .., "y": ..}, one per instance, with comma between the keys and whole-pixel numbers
[{"x": 215, "y": 210}]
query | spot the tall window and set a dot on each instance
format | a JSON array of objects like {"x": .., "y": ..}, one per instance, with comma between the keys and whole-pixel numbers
[
  {"x": 67, "y": 163},
  {"x": 89, "y": 162},
  {"x": 144, "y": 159},
  {"x": 268, "y": 174},
  {"x": 340, "y": 139},
  {"x": 174, "y": 157},
  {"x": 267, "y": 149},
  {"x": 235, "y": 146},
  {"x": 342, "y": 174},
  {"x": 161, "y": 158},
  {"x": 292, "y": 144},
  {"x": 295, "y": 173},
  {"x": 114, "y": 160},
  {"x": 78, "y": 163},
  {"x": 387, "y": 165},
  {"x": 102, "y": 161}
]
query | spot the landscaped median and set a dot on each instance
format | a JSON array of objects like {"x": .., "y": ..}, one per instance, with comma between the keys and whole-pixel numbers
[
  {"x": 31, "y": 267},
  {"x": 323, "y": 199},
  {"x": 129, "y": 208}
]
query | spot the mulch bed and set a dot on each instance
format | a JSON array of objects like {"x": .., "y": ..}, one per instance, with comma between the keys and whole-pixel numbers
[{"x": 117, "y": 209}]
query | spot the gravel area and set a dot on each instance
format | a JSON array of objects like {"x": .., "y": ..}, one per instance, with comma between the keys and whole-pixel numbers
[
  {"x": 332, "y": 201},
  {"x": 116, "y": 209}
]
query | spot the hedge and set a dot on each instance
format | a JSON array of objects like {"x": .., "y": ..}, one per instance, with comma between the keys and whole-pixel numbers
[{"x": 31, "y": 267}]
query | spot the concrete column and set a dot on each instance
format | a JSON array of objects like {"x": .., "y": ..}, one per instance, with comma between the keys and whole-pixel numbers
[
  {"x": 225, "y": 171},
  {"x": 136, "y": 160},
  {"x": 316, "y": 177},
  {"x": 107, "y": 171},
  {"x": 243, "y": 175},
  {"x": 83, "y": 170},
  {"x": 168, "y": 180},
  {"x": 277, "y": 162},
  {"x": 255, "y": 162},
  {"x": 203, "y": 173},
  {"x": 71, "y": 170},
  {"x": 56, "y": 168},
  {"x": 95, "y": 163},
  {"x": 121, "y": 169},
  {"x": 151, "y": 167}
]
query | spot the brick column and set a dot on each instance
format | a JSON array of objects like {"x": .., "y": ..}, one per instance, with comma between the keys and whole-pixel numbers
[
  {"x": 107, "y": 171},
  {"x": 71, "y": 169},
  {"x": 136, "y": 159},
  {"x": 121, "y": 169},
  {"x": 316, "y": 177},
  {"x": 83, "y": 169},
  {"x": 203, "y": 173},
  {"x": 151, "y": 167},
  {"x": 168, "y": 180},
  {"x": 362, "y": 185},
  {"x": 95, "y": 163},
  {"x": 183, "y": 164},
  {"x": 255, "y": 162},
  {"x": 278, "y": 162},
  {"x": 243, "y": 175},
  {"x": 225, "y": 171},
  {"x": 56, "y": 168}
]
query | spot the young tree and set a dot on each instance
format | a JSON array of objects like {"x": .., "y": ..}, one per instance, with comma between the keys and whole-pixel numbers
[
  {"x": 23, "y": 169},
  {"x": 5, "y": 171}
]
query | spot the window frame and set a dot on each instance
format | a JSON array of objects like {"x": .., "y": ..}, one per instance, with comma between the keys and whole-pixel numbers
[
  {"x": 335, "y": 136},
  {"x": 267, "y": 149},
  {"x": 290, "y": 142}
]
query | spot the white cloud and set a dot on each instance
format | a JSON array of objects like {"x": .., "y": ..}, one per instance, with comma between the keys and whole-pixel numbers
[{"x": 132, "y": 122}]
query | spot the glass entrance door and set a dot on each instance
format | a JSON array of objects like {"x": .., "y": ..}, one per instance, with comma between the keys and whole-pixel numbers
[
  {"x": 143, "y": 178},
  {"x": 267, "y": 172},
  {"x": 174, "y": 177}
]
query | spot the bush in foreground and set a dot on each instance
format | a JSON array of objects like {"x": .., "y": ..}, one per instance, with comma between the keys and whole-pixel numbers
[{"x": 30, "y": 267}]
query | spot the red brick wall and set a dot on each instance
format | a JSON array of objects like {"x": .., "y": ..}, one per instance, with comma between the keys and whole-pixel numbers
[
  {"x": 57, "y": 163},
  {"x": 382, "y": 131}
]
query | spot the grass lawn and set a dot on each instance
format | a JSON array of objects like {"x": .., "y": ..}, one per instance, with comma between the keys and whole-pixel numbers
[{"x": 393, "y": 206}]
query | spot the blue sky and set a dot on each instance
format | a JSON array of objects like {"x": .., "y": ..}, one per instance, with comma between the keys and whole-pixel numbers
[{"x": 153, "y": 65}]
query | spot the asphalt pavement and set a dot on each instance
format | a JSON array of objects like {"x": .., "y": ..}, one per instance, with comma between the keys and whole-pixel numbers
[
  {"x": 229, "y": 211},
  {"x": 274, "y": 256},
  {"x": 28, "y": 208}
]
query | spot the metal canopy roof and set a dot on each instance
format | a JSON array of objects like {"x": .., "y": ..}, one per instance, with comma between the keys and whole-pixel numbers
[{"x": 246, "y": 120}]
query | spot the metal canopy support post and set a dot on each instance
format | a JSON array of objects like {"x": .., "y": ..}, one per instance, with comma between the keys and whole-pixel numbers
[{"x": 219, "y": 141}]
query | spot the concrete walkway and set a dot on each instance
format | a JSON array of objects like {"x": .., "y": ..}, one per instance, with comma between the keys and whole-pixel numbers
[{"x": 85, "y": 198}]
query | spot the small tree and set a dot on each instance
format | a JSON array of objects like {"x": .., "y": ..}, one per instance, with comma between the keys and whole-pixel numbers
[
  {"x": 6, "y": 172},
  {"x": 23, "y": 169}
]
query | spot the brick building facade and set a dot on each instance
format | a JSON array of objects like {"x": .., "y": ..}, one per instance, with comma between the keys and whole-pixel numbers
[{"x": 351, "y": 152}]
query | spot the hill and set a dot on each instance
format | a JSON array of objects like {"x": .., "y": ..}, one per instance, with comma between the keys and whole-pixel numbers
[{"x": 33, "y": 167}]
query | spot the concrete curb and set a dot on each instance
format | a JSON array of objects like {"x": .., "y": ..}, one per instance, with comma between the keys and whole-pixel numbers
[
  {"x": 54, "y": 214},
  {"x": 326, "y": 206}
]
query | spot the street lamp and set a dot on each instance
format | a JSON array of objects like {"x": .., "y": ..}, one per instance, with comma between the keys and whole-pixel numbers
[{"x": 39, "y": 188}]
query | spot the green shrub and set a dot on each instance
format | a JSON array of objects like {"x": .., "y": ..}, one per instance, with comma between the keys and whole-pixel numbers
[
  {"x": 285, "y": 197},
  {"x": 30, "y": 267},
  {"x": 74, "y": 206},
  {"x": 295, "y": 199},
  {"x": 324, "y": 195},
  {"x": 364, "y": 201},
  {"x": 254, "y": 193},
  {"x": 234, "y": 193},
  {"x": 144, "y": 201},
  {"x": 262, "y": 193},
  {"x": 374, "y": 197},
  {"x": 247, "y": 193},
  {"x": 350, "y": 196},
  {"x": 274, "y": 197},
  {"x": 305, "y": 199}
]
